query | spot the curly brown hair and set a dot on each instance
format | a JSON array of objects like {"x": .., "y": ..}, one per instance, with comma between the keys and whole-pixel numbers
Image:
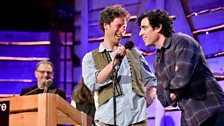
[
  {"x": 110, "y": 13},
  {"x": 156, "y": 18},
  {"x": 82, "y": 94}
]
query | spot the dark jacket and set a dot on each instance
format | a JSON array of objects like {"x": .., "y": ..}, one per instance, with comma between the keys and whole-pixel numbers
[
  {"x": 181, "y": 68},
  {"x": 51, "y": 89}
]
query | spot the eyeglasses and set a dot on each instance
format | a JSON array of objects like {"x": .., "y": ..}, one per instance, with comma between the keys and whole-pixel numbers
[{"x": 42, "y": 72}]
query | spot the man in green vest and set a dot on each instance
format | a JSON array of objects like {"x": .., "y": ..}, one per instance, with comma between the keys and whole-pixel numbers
[{"x": 134, "y": 82}]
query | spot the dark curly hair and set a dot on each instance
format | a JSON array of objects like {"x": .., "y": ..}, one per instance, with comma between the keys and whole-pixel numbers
[
  {"x": 109, "y": 13},
  {"x": 157, "y": 17},
  {"x": 82, "y": 94}
]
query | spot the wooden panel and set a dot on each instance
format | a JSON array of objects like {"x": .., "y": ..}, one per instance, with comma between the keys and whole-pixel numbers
[
  {"x": 18, "y": 104},
  {"x": 44, "y": 110},
  {"x": 98, "y": 4},
  {"x": 195, "y": 5},
  {"x": 23, "y": 119},
  {"x": 17, "y": 69},
  {"x": 64, "y": 108},
  {"x": 207, "y": 20},
  {"x": 217, "y": 65},
  {"x": 63, "y": 118},
  {"x": 75, "y": 115},
  {"x": 22, "y": 51},
  {"x": 47, "y": 110},
  {"x": 212, "y": 43},
  {"x": 20, "y": 36}
]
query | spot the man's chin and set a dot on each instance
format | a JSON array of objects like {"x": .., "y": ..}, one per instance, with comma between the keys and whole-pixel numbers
[
  {"x": 116, "y": 43},
  {"x": 147, "y": 44}
]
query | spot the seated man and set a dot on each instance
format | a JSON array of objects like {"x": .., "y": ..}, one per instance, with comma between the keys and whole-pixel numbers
[{"x": 44, "y": 73}]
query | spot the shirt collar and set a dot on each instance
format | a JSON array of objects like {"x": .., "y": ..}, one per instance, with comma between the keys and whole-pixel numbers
[
  {"x": 103, "y": 48},
  {"x": 166, "y": 43}
]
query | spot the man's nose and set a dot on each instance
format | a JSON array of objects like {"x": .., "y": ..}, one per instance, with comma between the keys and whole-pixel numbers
[
  {"x": 122, "y": 30},
  {"x": 140, "y": 33},
  {"x": 45, "y": 74}
]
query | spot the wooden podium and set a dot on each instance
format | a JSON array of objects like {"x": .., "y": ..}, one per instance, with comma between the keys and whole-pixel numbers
[{"x": 44, "y": 110}]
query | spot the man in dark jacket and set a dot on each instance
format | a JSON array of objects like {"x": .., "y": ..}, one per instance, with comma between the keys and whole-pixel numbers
[{"x": 44, "y": 73}]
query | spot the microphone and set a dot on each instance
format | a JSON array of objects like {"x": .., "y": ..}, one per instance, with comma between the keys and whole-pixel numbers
[
  {"x": 128, "y": 45},
  {"x": 30, "y": 91},
  {"x": 47, "y": 84}
]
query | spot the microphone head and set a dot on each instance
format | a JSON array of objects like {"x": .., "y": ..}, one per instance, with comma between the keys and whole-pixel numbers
[
  {"x": 129, "y": 44},
  {"x": 48, "y": 82}
]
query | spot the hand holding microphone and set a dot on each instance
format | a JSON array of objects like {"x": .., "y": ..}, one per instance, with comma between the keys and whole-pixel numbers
[{"x": 121, "y": 51}]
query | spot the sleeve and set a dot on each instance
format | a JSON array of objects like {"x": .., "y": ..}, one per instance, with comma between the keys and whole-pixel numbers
[
  {"x": 163, "y": 95},
  {"x": 149, "y": 78},
  {"x": 187, "y": 56},
  {"x": 73, "y": 103},
  {"x": 89, "y": 73}
]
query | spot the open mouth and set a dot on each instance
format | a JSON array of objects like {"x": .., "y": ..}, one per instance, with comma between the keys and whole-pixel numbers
[
  {"x": 144, "y": 38},
  {"x": 119, "y": 36}
]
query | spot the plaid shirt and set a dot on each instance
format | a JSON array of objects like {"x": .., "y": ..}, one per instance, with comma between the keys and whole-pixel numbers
[{"x": 181, "y": 68}]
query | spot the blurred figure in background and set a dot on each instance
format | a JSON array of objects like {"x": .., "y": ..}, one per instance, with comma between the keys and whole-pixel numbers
[
  {"x": 44, "y": 73},
  {"x": 82, "y": 99}
]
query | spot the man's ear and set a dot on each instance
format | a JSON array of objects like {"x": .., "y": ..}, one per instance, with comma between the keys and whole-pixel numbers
[
  {"x": 159, "y": 28},
  {"x": 53, "y": 75},
  {"x": 35, "y": 73},
  {"x": 105, "y": 25}
]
